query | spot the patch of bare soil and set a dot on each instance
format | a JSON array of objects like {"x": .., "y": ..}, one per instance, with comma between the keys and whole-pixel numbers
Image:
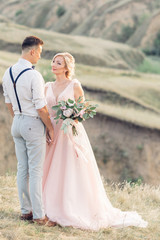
[
  {"x": 8, "y": 160},
  {"x": 125, "y": 151}
]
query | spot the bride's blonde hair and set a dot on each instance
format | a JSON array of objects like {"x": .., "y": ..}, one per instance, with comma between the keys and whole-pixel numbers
[{"x": 69, "y": 62}]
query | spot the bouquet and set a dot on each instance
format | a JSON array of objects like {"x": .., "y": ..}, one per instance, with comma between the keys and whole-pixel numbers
[{"x": 73, "y": 111}]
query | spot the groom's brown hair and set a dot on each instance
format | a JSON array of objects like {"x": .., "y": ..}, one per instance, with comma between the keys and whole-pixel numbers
[{"x": 31, "y": 41}]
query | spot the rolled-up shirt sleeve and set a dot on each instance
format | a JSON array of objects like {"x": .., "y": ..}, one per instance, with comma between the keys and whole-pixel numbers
[
  {"x": 5, "y": 94},
  {"x": 38, "y": 90}
]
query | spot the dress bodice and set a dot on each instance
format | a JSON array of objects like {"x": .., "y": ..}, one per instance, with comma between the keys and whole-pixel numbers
[{"x": 67, "y": 93}]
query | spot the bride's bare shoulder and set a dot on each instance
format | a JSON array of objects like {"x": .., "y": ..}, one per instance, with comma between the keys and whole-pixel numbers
[
  {"x": 48, "y": 83},
  {"x": 76, "y": 83}
]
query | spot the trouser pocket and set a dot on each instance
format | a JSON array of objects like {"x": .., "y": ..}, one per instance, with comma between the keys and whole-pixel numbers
[{"x": 32, "y": 128}]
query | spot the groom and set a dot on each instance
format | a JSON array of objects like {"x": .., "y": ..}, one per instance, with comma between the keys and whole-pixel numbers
[{"x": 24, "y": 96}]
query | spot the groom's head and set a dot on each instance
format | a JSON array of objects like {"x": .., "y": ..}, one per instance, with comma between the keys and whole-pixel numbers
[{"x": 32, "y": 48}]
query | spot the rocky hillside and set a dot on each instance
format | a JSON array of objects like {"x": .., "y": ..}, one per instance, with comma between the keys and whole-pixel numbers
[
  {"x": 131, "y": 21},
  {"x": 146, "y": 33}
]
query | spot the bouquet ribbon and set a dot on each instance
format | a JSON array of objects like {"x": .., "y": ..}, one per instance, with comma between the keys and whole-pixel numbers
[{"x": 80, "y": 150}]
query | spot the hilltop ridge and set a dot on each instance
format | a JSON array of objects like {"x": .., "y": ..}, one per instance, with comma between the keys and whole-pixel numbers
[{"x": 116, "y": 20}]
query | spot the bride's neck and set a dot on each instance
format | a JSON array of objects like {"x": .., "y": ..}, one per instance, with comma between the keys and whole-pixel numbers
[{"x": 61, "y": 78}]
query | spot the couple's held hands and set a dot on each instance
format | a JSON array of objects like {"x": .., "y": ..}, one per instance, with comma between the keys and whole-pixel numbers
[
  {"x": 49, "y": 136},
  {"x": 44, "y": 115},
  {"x": 76, "y": 120}
]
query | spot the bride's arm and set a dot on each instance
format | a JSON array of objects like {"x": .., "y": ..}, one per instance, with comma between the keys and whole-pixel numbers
[{"x": 78, "y": 92}]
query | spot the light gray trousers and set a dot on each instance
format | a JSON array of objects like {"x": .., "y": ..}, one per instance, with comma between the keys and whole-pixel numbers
[{"x": 30, "y": 143}]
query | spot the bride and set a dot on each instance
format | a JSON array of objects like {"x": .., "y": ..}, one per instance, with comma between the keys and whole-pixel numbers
[{"x": 73, "y": 192}]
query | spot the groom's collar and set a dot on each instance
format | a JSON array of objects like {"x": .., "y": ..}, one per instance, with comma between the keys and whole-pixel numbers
[{"x": 25, "y": 62}]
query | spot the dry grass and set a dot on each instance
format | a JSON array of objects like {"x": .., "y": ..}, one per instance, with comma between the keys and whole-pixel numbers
[
  {"x": 141, "y": 88},
  {"x": 138, "y": 117},
  {"x": 143, "y": 199}
]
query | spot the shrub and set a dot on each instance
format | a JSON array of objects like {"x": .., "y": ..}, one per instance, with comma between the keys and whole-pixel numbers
[
  {"x": 149, "y": 66},
  {"x": 155, "y": 50},
  {"x": 60, "y": 11},
  {"x": 156, "y": 44},
  {"x": 19, "y": 12},
  {"x": 126, "y": 33}
]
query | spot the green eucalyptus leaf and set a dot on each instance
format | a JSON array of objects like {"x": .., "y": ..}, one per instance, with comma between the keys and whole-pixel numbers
[
  {"x": 86, "y": 116},
  {"x": 57, "y": 117},
  {"x": 56, "y": 107},
  {"x": 91, "y": 115},
  {"x": 79, "y": 99},
  {"x": 92, "y": 108},
  {"x": 63, "y": 117},
  {"x": 80, "y": 119},
  {"x": 59, "y": 111},
  {"x": 70, "y": 101},
  {"x": 65, "y": 129},
  {"x": 63, "y": 103}
]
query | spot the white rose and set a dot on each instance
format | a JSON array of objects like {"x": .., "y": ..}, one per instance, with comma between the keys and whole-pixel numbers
[
  {"x": 71, "y": 104},
  {"x": 67, "y": 113}
]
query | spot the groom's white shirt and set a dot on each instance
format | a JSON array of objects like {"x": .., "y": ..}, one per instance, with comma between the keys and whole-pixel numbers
[{"x": 30, "y": 89}]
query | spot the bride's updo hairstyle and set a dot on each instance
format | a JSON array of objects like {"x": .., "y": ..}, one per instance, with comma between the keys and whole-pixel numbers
[{"x": 69, "y": 62}]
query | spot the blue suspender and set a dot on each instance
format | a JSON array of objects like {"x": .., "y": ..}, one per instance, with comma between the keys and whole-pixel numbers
[{"x": 14, "y": 84}]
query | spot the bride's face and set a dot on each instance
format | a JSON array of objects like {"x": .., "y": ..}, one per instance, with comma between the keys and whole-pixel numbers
[{"x": 58, "y": 65}]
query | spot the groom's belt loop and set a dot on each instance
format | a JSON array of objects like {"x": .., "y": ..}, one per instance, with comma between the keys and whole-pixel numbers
[{"x": 14, "y": 84}]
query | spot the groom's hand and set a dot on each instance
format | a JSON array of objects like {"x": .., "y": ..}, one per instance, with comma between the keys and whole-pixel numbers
[
  {"x": 49, "y": 135},
  {"x": 44, "y": 115}
]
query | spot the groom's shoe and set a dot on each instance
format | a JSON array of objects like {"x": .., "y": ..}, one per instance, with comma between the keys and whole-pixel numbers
[
  {"x": 40, "y": 221},
  {"x": 51, "y": 224},
  {"x": 27, "y": 217}
]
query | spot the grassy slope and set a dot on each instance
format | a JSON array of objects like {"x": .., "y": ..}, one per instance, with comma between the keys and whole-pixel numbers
[
  {"x": 89, "y": 50},
  {"x": 140, "y": 88},
  {"x": 143, "y": 199}
]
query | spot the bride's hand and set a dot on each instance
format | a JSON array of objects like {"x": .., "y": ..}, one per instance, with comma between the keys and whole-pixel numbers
[{"x": 76, "y": 120}]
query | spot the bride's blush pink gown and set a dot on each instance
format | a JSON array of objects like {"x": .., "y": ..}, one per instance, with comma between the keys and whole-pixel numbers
[{"x": 73, "y": 192}]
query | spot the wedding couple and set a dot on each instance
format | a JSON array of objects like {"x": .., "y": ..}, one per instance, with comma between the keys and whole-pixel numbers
[{"x": 58, "y": 178}]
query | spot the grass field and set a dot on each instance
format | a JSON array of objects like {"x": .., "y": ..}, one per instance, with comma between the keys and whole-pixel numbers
[{"x": 141, "y": 198}]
